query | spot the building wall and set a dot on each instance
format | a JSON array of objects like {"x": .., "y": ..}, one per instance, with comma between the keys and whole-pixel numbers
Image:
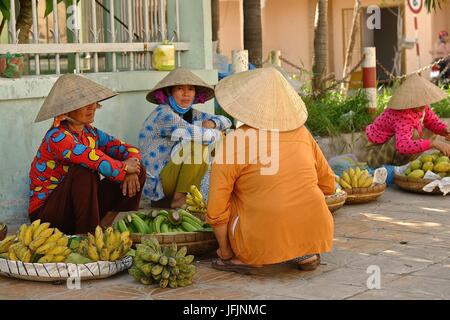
[{"x": 288, "y": 25}]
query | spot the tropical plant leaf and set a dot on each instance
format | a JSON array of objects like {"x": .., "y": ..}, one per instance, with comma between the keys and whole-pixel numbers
[{"x": 4, "y": 8}]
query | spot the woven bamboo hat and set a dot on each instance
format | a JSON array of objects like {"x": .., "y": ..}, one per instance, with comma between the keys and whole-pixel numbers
[
  {"x": 182, "y": 76},
  {"x": 263, "y": 99},
  {"x": 415, "y": 91},
  {"x": 71, "y": 92}
]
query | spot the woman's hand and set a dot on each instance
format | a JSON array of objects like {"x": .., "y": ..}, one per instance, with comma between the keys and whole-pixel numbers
[
  {"x": 132, "y": 165},
  {"x": 441, "y": 146},
  {"x": 209, "y": 124},
  {"x": 447, "y": 134},
  {"x": 130, "y": 186}
]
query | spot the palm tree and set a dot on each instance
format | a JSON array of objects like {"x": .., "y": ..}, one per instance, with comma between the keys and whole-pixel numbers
[
  {"x": 320, "y": 58},
  {"x": 215, "y": 18},
  {"x": 432, "y": 4},
  {"x": 253, "y": 31}
]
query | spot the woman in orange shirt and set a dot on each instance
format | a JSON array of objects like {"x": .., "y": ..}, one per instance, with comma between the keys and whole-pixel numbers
[{"x": 266, "y": 202}]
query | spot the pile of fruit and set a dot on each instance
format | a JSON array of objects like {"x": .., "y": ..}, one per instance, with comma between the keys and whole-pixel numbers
[
  {"x": 434, "y": 162},
  {"x": 111, "y": 245},
  {"x": 355, "y": 178},
  {"x": 166, "y": 266},
  {"x": 161, "y": 221},
  {"x": 195, "y": 202},
  {"x": 36, "y": 243}
]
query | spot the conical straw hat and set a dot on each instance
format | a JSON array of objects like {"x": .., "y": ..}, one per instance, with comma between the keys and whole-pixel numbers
[
  {"x": 415, "y": 91},
  {"x": 263, "y": 99},
  {"x": 181, "y": 76},
  {"x": 71, "y": 92}
]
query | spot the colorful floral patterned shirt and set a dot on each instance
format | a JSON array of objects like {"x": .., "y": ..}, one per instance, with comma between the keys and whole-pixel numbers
[
  {"x": 401, "y": 124},
  {"x": 157, "y": 141},
  {"x": 62, "y": 148}
]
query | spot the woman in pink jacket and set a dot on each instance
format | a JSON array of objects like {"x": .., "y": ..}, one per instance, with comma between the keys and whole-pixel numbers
[{"x": 406, "y": 128}]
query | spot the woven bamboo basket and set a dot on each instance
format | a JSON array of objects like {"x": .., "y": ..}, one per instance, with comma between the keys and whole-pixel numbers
[
  {"x": 336, "y": 201},
  {"x": 364, "y": 195},
  {"x": 60, "y": 272},
  {"x": 197, "y": 243},
  {"x": 414, "y": 185}
]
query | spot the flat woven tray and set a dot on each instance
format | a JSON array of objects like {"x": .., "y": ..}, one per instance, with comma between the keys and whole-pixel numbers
[
  {"x": 364, "y": 195},
  {"x": 414, "y": 185},
  {"x": 57, "y": 272},
  {"x": 336, "y": 201}
]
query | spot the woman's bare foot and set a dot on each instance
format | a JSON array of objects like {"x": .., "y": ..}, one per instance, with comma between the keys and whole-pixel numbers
[{"x": 178, "y": 200}]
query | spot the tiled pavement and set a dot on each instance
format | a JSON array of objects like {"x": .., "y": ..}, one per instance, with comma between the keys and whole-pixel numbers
[{"x": 406, "y": 235}]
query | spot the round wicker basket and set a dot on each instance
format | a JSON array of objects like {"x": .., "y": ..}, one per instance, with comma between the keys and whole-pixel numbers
[
  {"x": 61, "y": 272},
  {"x": 414, "y": 185},
  {"x": 197, "y": 243},
  {"x": 364, "y": 195},
  {"x": 336, "y": 201}
]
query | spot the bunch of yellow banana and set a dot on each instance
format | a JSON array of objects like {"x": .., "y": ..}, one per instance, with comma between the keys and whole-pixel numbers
[
  {"x": 105, "y": 246},
  {"x": 195, "y": 201},
  {"x": 355, "y": 178},
  {"x": 36, "y": 243}
]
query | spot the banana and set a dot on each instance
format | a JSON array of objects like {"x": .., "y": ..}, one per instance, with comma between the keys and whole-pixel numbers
[
  {"x": 104, "y": 254},
  {"x": 56, "y": 250},
  {"x": 346, "y": 177},
  {"x": 46, "y": 259},
  {"x": 37, "y": 243},
  {"x": 91, "y": 239},
  {"x": 115, "y": 255},
  {"x": 39, "y": 229},
  {"x": 45, "y": 234},
  {"x": 59, "y": 258},
  {"x": 92, "y": 253},
  {"x": 45, "y": 247},
  {"x": 22, "y": 230},
  {"x": 63, "y": 241},
  {"x": 362, "y": 178},
  {"x": 196, "y": 193},
  {"x": 351, "y": 172},
  {"x": 6, "y": 243},
  {"x": 344, "y": 184},
  {"x": 12, "y": 255},
  {"x": 368, "y": 182},
  {"x": 99, "y": 243},
  {"x": 28, "y": 236},
  {"x": 26, "y": 257},
  {"x": 55, "y": 236}
]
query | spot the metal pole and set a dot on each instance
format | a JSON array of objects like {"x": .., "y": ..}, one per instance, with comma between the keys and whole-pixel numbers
[
  {"x": 130, "y": 33},
  {"x": 12, "y": 25},
  {"x": 162, "y": 19},
  {"x": 146, "y": 33},
  {"x": 76, "y": 33},
  {"x": 56, "y": 34},
  {"x": 177, "y": 14},
  {"x": 94, "y": 32},
  {"x": 35, "y": 35},
  {"x": 113, "y": 33},
  {"x": 369, "y": 69}
]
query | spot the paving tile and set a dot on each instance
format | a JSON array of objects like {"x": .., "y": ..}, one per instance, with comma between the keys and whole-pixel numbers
[
  {"x": 438, "y": 270},
  {"x": 421, "y": 285},
  {"x": 393, "y": 295}
]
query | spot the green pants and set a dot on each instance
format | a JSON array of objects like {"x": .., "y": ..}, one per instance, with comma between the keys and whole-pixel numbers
[{"x": 178, "y": 177}]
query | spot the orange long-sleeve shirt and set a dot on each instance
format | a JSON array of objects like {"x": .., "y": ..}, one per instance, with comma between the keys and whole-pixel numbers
[{"x": 276, "y": 217}]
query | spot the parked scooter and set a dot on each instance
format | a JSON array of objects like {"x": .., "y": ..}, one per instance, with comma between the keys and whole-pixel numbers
[{"x": 440, "y": 73}]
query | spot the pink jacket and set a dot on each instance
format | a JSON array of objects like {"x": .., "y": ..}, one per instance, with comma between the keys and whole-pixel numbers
[{"x": 401, "y": 124}]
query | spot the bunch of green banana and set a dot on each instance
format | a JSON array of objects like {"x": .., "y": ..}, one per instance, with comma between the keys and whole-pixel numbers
[
  {"x": 195, "y": 202},
  {"x": 160, "y": 221},
  {"x": 355, "y": 178},
  {"x": 166, "y": 266},
  {"x": 110, "y": 245},
  {"x": 37, "y": 243}
]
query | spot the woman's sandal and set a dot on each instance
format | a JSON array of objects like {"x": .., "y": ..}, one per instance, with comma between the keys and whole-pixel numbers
[
  {"x": 309, "y": 266},
  {"x": 228, "y": 265}
]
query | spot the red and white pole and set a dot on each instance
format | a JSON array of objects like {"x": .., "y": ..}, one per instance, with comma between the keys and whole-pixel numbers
[
  {"x": 369, "y": 69},
  {"x": 416, "y": 30}
]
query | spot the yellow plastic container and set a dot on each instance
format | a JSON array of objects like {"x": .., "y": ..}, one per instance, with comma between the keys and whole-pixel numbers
[{"x": 163, "y": 58}]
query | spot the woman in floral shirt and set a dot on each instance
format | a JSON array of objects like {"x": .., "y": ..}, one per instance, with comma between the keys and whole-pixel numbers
[
  {"x": 65, "y": 186},
  {"x": 398, "y": 135},
  {"x": 173, "y": 131}
]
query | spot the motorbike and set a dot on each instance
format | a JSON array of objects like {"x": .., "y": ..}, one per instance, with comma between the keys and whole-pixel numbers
[{"x": 440, "y": 73}]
